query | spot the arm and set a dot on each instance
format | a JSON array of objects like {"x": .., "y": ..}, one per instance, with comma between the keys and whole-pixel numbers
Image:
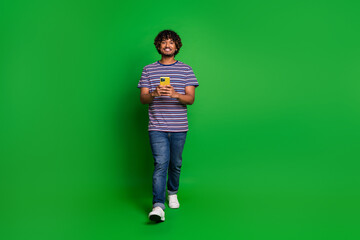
[{"x": 147, "y": 97}]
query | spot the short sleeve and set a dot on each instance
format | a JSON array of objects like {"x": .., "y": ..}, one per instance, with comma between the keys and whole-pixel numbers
[
  {"x": 144, "y": 80},
  {"x": 190, "y": 78}
]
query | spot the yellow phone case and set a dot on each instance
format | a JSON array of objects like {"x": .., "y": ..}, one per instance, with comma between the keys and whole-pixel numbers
[{"x": 164, "y": 81}]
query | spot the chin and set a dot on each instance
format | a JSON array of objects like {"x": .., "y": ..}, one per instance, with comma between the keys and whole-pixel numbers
[{"x": 168, "y": 54}]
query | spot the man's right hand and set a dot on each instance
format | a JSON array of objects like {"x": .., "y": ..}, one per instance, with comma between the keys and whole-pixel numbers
[{"x": 158, "y": 91}]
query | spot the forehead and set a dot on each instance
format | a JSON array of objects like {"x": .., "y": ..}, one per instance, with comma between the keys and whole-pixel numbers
[{"x": 167, "y": 39}]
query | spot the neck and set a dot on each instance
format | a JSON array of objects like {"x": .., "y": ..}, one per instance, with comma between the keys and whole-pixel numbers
[{"x": 167, "y": 60}]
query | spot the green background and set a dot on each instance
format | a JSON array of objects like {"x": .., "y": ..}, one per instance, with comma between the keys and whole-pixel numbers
[{"x": 273, "y": 147}]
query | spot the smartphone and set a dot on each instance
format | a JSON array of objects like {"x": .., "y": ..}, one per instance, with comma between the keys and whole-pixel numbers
[{"x": 164, "y": 81}]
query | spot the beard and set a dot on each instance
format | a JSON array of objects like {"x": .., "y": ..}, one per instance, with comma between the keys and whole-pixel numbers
[{"x": 168, "y": 54}]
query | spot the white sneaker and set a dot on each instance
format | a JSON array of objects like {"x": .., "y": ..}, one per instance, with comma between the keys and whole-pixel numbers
[
  {"x": 157, "y": 215},
  {"x": 173, "y": 201}
]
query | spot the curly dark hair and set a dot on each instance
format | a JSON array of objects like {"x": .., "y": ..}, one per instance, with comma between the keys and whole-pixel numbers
[{"x": 168, "y": 34}]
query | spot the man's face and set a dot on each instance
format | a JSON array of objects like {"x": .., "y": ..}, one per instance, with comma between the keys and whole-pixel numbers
[{"x": 168, "y": 47}]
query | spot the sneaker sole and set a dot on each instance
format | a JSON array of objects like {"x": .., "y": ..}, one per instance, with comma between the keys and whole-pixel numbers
[
  {"x": 174, "y": 207},
  {"x": 156, "y": 218}
]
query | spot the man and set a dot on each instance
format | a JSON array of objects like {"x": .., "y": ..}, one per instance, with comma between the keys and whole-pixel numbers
[{"x": 168, "y": 124}]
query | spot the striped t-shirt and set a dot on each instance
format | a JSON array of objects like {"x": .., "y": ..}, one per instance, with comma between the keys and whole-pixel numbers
[{"x": 167, "y": 114}]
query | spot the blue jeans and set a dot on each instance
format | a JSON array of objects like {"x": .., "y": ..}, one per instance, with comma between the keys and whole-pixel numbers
[{"x": 167, "y": 150}]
